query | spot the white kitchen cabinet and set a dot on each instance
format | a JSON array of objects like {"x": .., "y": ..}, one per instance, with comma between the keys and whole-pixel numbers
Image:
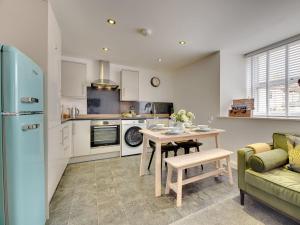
[
  {"x": 74, "y": 79},
  {"x": 55, "y": 155},
  {"x": 56, "y": 159},
  {"x": 81, "y": 137},
  {"x": 67, "y": 140},
  {"x": 54, "y": 71},
  {"x": 129, "y": 85}
]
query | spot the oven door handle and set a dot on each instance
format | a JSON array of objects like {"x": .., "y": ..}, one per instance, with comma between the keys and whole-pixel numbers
[{"x": 99, "y": 127}]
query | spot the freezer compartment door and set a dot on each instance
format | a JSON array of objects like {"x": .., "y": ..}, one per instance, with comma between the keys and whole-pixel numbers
[
  {"x": 24, "y": 169},
  {"x": 22, "y": 82},
  {"x": 1, "y": 159}
]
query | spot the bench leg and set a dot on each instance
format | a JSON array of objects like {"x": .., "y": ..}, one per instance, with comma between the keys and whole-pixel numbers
[
  {"x": 169, "y": 179},
  {"x": 242, "y": 197},
  {"x": 218, "y": 164},
  {"x": 179, "y": 188},
  {"x": 229, "y": 170},
  {"x": 217, "y": 167}
]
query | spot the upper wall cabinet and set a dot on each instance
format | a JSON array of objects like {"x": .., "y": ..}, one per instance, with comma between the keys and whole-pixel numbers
[
  {"x": 129, "y": 85},
  {"x": 73, "y": 79}
]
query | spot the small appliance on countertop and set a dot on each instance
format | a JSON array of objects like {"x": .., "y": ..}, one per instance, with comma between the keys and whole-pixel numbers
[
  {"x": 74, "y": 112},
  {"x": 132, "y": 139},
  {"x": 22, "y": 165}
]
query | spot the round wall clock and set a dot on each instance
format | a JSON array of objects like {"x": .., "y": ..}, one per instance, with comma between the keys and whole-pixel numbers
[{"x": 155, "y": 81}]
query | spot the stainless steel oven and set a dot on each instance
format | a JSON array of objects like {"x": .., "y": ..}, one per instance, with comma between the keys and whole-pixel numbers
[{"x": 105, "y": 132}]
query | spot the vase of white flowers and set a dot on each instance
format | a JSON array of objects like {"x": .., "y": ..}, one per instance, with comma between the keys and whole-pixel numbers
[{"x": 182, "y": 117}]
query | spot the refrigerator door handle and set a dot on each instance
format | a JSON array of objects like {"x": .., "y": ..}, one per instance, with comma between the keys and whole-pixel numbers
[
  {"x": 29, "y": 100},
  {"x": 30, "y": 127}
]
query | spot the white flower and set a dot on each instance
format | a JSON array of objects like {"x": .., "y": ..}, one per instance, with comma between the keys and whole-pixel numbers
[
  {"x": 190, "y": 115},
  {"x": 181, "y": 112},
  {"x": 173, "y": 116},
  {"x": 184, "y": 118}
]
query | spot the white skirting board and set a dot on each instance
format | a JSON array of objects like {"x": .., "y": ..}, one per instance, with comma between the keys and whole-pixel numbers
[{"x": 94, "y": 157}]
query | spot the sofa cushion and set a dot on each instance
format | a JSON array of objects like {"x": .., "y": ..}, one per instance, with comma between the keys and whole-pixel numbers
[
  {"x": 265, "y": 161},
  {"x": 294, "y": 153},
  {"x": 280, "y": 182},
  {"x": 280, "y": 141}
]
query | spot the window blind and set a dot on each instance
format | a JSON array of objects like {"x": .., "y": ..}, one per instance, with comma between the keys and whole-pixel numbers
[
  {"x": 272, "y": 80},
  {"x": 293, "y": 77}
]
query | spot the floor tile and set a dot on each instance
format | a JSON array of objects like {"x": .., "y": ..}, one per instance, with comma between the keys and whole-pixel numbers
[
  {"x": 112, "y": 192},
  {"x": 85, "y": 198},
  {"x": 110, "y": 213},
  {"x": 83, "y": 215},
  {"x": 62, "y": 200}
]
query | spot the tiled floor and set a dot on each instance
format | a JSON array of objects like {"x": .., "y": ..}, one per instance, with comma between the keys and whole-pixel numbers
[{"x": 112, "y": 192}]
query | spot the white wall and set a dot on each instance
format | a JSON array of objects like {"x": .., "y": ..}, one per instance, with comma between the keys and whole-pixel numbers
[
  {"x": 23, "y": 24},
  {"x": 205, "y": 85},
  {"x": 164, "y": 93},
  {"x": 197, "y": 87},
  {"x": 232, "y": 79}
]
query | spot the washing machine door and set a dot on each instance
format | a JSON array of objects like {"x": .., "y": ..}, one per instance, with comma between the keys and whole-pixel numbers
[{"x": 133, "y": 137}]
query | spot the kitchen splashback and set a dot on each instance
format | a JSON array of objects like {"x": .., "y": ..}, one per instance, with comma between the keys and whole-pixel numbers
[
  {"x": 108, "y": 102},
  {"x": 103, "y": 101}
]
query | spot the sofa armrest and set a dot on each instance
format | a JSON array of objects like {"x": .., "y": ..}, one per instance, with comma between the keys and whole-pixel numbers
[{"x": 243, "y": 156}]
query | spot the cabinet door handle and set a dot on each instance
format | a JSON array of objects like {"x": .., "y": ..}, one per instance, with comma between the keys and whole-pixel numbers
[
  {"x": 29, "y": 100},
  {"x": 35, "y": 72},
  {"x": 28, "y": 127}
]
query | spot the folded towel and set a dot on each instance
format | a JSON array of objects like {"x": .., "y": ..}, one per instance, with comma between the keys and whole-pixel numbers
[{"x": 260, "y": 147}]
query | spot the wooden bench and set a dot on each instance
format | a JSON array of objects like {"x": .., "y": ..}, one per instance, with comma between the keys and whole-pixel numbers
[{"x": 196, "y": 159}]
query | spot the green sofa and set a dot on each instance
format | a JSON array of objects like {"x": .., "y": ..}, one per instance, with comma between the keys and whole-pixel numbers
[{"x": 278, "y": 188}]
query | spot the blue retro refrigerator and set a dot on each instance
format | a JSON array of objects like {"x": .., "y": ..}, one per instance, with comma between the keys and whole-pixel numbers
[{"x": 22, "y": 167}]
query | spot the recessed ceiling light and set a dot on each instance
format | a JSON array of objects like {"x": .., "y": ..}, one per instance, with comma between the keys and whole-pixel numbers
[
  {"x": 145, "y": 31},
  {"x": 159, "y": 59},
  {"x": 105, "y": 49},
  {"x": 111, "y": 21},
  {"x": 182, "y": 42}
]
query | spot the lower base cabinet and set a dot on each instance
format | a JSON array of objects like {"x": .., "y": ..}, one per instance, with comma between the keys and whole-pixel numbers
[
  {"x": 67, "y": 140},
  {"x": 59, "y": 153},
  {"x": 81, "y": 138},
  {"x": 56, "y": 162}
]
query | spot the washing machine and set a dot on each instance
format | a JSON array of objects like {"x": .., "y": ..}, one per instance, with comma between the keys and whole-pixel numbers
[{"x": 132, "y": 139}]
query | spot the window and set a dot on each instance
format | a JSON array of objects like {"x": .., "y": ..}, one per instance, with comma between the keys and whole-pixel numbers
[{"x": 272, "y": 80}]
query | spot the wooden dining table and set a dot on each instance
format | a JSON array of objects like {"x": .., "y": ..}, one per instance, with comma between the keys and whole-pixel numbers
[{"x": 160, "y": 137}]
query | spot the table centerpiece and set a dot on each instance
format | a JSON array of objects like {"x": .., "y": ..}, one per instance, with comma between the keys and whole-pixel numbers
[{"x": 182, "y": 118}]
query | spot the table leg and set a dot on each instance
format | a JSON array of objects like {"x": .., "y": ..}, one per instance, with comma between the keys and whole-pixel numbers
[
  {"x": 179, "y": 188},
  {"x": 143, "y": 155},
  {"x": 169, "y": 179},
  {"x": 218, "y": 163},
  {"x": 229, "y": 170},
  {"x": 216, "y": 141},
  {"x": 157, "y": 169}
]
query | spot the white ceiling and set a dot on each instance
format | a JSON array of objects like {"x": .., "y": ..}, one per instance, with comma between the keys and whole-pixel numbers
[{"x": 206, "y": 25}]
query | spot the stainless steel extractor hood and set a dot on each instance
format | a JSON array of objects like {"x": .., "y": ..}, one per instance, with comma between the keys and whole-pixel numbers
[{"x": 104, "y": 82}]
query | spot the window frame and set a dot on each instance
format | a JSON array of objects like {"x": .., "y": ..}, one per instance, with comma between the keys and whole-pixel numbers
[{"x": 287, "y": 82}]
